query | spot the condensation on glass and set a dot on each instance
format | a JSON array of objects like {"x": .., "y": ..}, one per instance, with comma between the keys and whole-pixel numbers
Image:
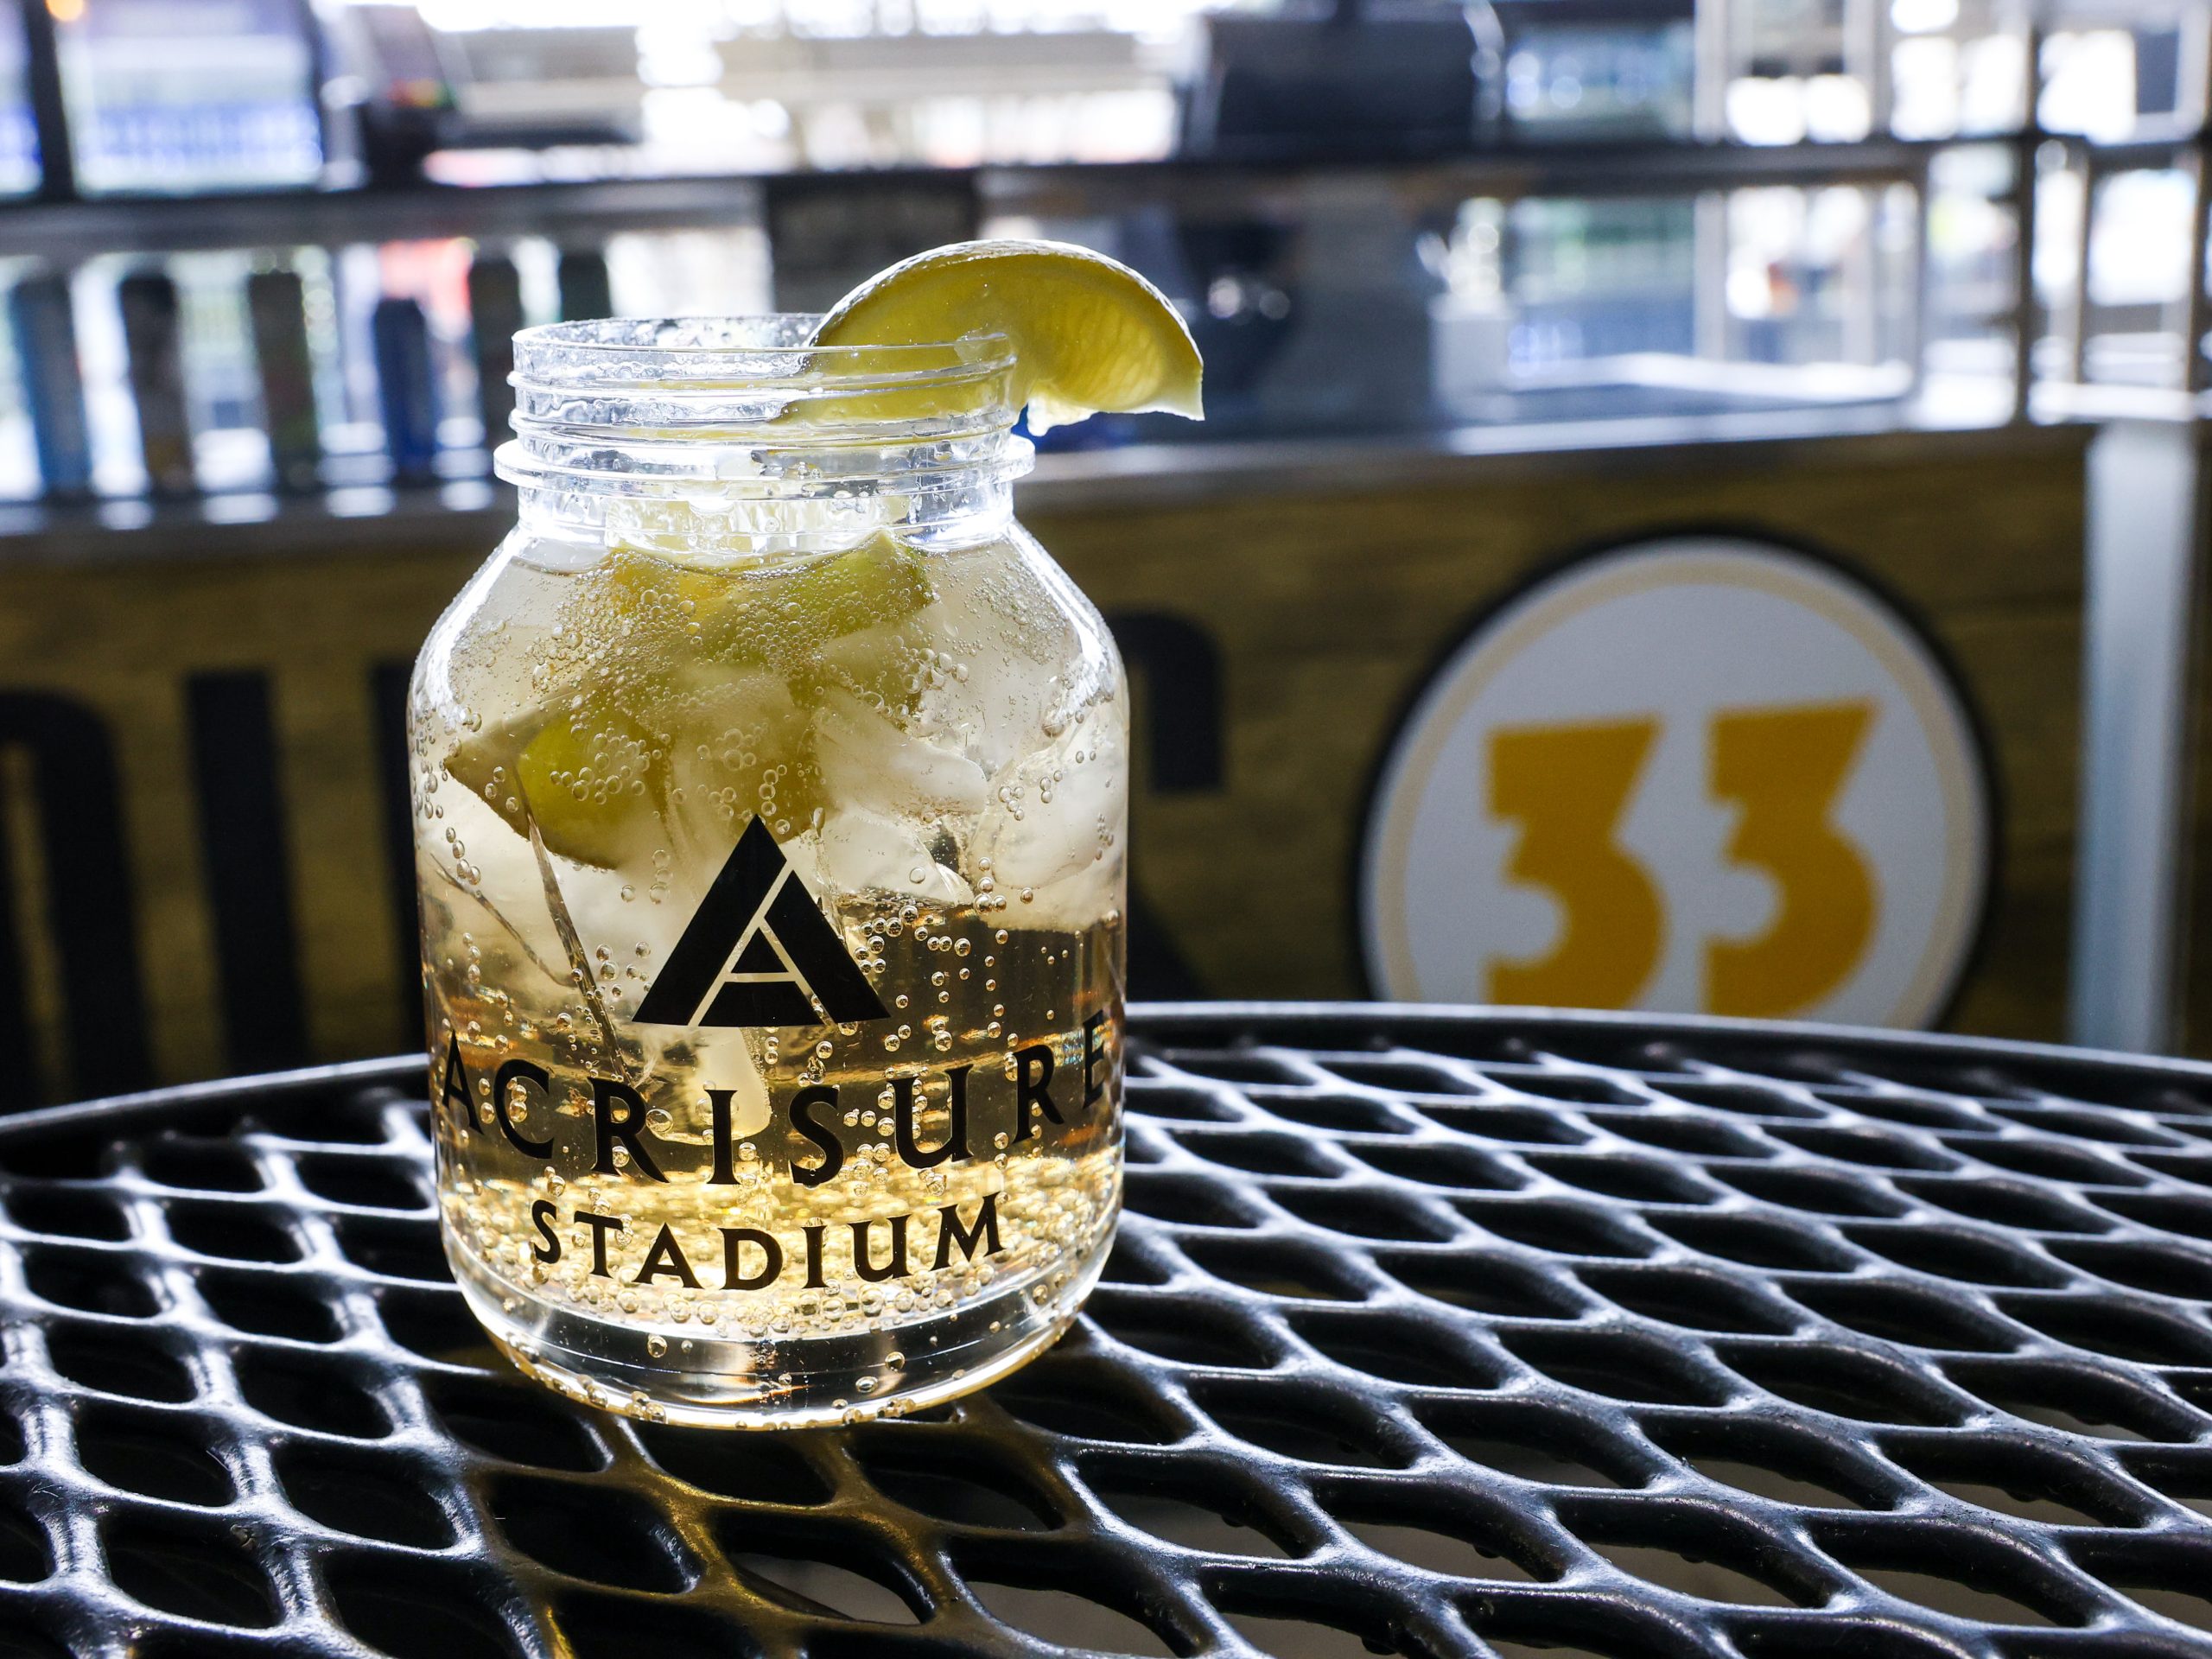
[{"x": 770, "y": 784}]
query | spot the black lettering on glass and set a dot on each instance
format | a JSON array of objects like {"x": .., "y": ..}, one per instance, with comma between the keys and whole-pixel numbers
[
  {"x": 547, "y": 1248},
  {"x": 955, "y": 1144},
  {"x": 951, "y": 1232},
  {"x": 618, "y": 1113},
  {"x": 1094, "y": 1087},
  {"x": 452, "y": 1086},
  {"x": 718, "y": 1101},
  {"x": 734, "y": 1239},
  {"x": 510, "y": 1073},
  {"x": 666, "y": 1256},
  {"x": 863, "y": 1253},
  {"x": 802, "y": 1120},
  {"x": 1032, "y": 1090},
  {"x": 600, "y": 1226}
]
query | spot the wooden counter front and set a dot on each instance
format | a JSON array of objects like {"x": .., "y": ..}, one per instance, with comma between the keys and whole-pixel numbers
[{"x": 205, "y": 849}]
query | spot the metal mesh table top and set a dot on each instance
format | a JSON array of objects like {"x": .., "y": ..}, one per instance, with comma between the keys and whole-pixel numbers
[{"x": 1428, "y": 1334}]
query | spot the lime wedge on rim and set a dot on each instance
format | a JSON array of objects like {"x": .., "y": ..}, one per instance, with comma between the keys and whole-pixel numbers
[{"x": 1088, "y": 334}]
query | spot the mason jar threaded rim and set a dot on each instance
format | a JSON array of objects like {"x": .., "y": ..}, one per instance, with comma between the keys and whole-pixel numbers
[
  {"x": 655, "y": 374},
  {"x": 747, "y": 409}
]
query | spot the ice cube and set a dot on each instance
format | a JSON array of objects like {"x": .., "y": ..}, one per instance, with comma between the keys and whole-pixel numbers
[
  {"x": 868, "y": 762},
  {"x": 1012, "y": 665},
  {"x": 501, "y": 893},
  {"x": 882, "y": 666},
  {"x": 1074, "y": 902},
  {"x": 861, "y": 851},
  {"x": 1085, "y": 821},
  {"x": 726, "y": 729}
]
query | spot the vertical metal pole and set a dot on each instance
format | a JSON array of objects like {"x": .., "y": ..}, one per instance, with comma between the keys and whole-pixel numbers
[
  {"x": 2025, "y": 147},
  {"x": 1709, "y": 321},
  {"x": 1713, "y": 65},
  {"x": 2074, "y": 325},
  {"x": 1861, "y": 329},
  {"x": 1712, "y": 69},
  {"x": 2196, "y": 103},
  {"x": 2196, "y": 315},
  {"x": 1866, "y": 57},
  {"x": 2193, "y": 97},
  {"x": 2146, "y": 545},
  {"x": 2144, "y": 532},
  {"x": 1913, "y": 343}
]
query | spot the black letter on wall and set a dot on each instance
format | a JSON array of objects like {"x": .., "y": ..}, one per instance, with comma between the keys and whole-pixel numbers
[
  {"x": 90, "y": 916},
  {"x": 1177, "y": 667},
  {"x": 246, "y": 856}
]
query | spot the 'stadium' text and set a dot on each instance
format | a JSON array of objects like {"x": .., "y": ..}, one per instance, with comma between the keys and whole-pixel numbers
[
  {"x": 752, "y": 1258},
  {"x": 1031, "y": 1098}
]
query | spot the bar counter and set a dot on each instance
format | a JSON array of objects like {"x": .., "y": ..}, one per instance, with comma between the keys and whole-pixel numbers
[{"x": 202, "y": 697}]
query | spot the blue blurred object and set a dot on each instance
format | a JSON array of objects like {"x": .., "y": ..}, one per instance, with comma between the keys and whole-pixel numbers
[
  {"x": 186, "y": 96},
  {"x": 1580, "y": 71},
  {"x": 45, "y": 333},
  {"x": 20, "y": 168},
  {"x": 406, "y": 389},
  {"x": 1099, "y": 432}
]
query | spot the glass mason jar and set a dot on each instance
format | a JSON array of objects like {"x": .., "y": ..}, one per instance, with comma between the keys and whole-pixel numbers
[{"x": 770, "y": 784}]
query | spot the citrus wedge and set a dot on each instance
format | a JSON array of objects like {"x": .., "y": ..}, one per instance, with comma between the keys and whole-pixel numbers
[
  {"x": 1088, "y": 334},
  {"x": 716, "y": 667}
]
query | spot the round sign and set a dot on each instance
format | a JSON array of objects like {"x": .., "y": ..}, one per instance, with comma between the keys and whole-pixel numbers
[{"x": 1699, "y": 774}]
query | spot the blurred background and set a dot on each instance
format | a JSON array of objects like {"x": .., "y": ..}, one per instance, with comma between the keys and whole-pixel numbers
[{"x": 1699, "y": 507}]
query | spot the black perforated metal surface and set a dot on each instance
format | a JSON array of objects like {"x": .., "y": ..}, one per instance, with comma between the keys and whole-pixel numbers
[{"x": 1431, "y": 1333}]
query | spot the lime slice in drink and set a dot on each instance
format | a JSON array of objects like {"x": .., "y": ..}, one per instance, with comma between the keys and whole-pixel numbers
[
  {"x": 1088, "y": 334},
  {"x": 726, "y": 662}
]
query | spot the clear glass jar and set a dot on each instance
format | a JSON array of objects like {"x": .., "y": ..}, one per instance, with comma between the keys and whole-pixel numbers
[{"x": 770, "y": 784}]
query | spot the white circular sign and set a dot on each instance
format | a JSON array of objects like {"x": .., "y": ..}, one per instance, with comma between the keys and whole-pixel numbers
[{"x": 1699, "y": 774}]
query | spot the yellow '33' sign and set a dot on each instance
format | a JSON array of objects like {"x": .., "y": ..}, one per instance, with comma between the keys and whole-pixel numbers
[{"x": 1697, "y": 774}]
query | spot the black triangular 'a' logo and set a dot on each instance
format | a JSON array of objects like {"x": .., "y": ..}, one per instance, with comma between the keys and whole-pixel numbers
[{"x": 758, "y": 952}]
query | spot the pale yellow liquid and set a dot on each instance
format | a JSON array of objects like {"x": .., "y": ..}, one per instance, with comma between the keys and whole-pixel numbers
[{"x": 952, "y": 794}]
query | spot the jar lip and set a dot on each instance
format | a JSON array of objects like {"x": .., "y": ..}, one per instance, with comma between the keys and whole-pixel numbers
[{"x": 728, "y": 354}]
